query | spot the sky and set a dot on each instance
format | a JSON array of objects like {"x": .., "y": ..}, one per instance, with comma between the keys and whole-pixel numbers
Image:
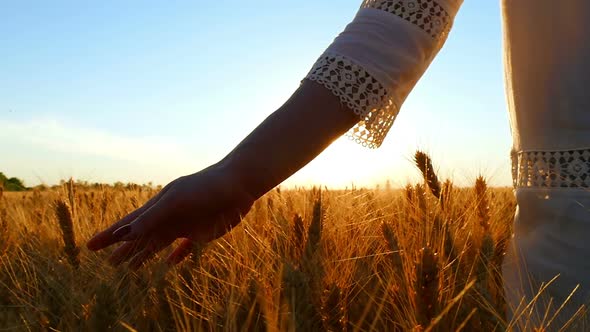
[{"x": 146, "y": 91}]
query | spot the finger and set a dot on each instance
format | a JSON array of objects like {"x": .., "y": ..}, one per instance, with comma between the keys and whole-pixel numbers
[
  {"x": 147, "y": 253},
  {"x": 150, "y": 223},
  {"x": 107, "y": 237},
  {"x": 123, "y": 253},
  {"x": 111, "y": 235},
  {"x": 180, "y": 253}
]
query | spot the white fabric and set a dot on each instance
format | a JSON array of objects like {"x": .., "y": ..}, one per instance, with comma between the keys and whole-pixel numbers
[
  {"x": 393, "y": 50},
  {"x": 547, "y": 66},
  {"x": 547, "y": 52},
  {"x": 551, "y": 238},
  {"x": 376, "y": 61}
]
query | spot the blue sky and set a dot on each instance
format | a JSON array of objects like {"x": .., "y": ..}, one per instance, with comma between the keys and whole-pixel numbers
[{"x": 147, "y": 91}]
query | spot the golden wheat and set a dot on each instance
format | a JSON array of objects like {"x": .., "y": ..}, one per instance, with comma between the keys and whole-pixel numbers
[
  {"x": 66, "y": 224},
  {"x": 335, "y": 260}
]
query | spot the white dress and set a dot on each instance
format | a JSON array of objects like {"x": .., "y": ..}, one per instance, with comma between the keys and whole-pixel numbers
[
  {"x": 547, "y": 65},
  {"x": 373, "y": 65}
]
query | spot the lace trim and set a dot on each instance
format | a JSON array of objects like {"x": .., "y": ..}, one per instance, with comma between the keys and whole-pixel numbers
[
  {"x": 361, "y": 92},
  {"x": 428, "y": 15},
  {"x": 551, "y": 169},
  {"x": 358, "y": 89}
]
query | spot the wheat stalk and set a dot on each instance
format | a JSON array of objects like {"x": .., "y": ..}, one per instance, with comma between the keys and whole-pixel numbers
[
  {"x": 409, "y": 194},
  {"x": 314, "y": 233},
  {"x": 4, "y": 232},
  {"x": 426, "y": 287},
  {"x": 424, "y": 164},
  {"x": 72, "y": 197},
  {"x": 311, "y": 263},
  {"x": 104, "y": 312},
  {"x": 447, "y": 191},
  {"x": 66, "y": 224},
  {"x": 298, "y": 242},
  {"x": 483, "y": 273},
  {"x": 483, "y": 208},
  {"x": 393, "y": 247},
  {"x": 333, "y": 309},
  {"x": 304, "y": 315}
]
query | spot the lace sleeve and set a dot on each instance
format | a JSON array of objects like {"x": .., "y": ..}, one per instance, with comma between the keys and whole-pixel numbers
[{"x": 376, "y": 61}]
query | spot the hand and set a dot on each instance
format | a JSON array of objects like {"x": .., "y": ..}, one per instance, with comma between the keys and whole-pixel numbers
[
  {"x": 199, "y": 208},
  {"x": 204, "y": 206}
]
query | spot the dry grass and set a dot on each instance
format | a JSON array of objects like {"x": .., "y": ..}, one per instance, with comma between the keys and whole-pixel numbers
[{"x": 338, "y": 260}]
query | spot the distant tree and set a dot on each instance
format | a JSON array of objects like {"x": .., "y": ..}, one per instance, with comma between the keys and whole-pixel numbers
[
  {"x": 41, "y": 187},
  {"x": 11, "y": 184}
]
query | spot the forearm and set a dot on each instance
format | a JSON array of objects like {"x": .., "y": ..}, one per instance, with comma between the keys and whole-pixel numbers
[
  {"x": 370, "y": 67},
  {"x": 289, "y": 138}
]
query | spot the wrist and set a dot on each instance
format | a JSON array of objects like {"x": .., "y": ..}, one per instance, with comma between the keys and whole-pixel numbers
[
  {"x": 240, "y": 178},
  {"x": 247, "y": 173}
]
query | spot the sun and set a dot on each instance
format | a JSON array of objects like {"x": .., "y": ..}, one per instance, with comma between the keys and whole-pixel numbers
[{"x": 346, "y": 163}]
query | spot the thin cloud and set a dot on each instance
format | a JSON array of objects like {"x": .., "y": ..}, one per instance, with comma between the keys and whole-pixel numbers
[{"x": 53, "y": 135}]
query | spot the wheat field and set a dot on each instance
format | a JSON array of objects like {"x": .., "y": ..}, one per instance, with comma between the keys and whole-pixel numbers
[{"x": 423, "y": 258}]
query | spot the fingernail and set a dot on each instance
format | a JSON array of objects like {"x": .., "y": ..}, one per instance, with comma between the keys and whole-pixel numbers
[{"x": 121, "y": 232}]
